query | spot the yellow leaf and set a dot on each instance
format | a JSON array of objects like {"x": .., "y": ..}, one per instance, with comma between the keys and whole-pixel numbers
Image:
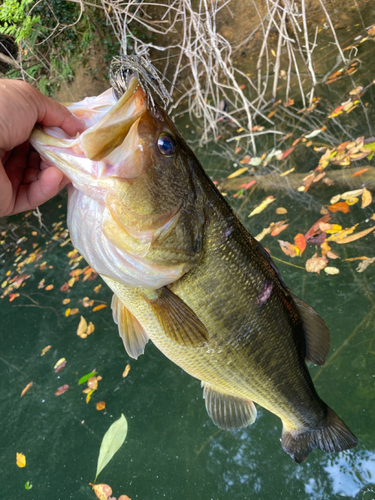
[
  {"x": 47, "y": 348},
  {"x": 60, "y": 365},
  {"x": 335, "y": 228},
  {"x": 71, "y": 282},
  {"x": 281, "y": 211},
  {"x": 49, "y": 287},
  {"x": 67, "y": 312},
  {"x": 351, "y": 194},
  {"x": 66, "y": 301},
  {"x": 342, "y": 234},
  {"x": 90, "y": 328},
  {"x": 100, "y": 306},
  {"x": 237, "y": 172},
  {"x": 126, "y": 371},
  {"x": 102, "y": 491},
  {"x": 82, "y": 328},
  {"x": 352, "y": 200},
  {"x": 331, "y": 270},
  {"x": 88, "y": 397},
  {"x": 26, "y": 389},
  {"x": 74, "y": 311},
  {"x": 287, "y": 172},
  {"x": 97, "y": 288},
  {"x": 20, "y": 460},
  {"x": 355, "y": 236},
  {"x": 366, "y": 198},
  {"x": 262, "y": 206}
]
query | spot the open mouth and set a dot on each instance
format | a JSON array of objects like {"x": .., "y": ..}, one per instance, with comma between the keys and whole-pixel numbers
[{"x": 86, "y": 153}]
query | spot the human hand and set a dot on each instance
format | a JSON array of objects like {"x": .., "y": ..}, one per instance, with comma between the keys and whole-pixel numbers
[{"x": 25, "y": 181}]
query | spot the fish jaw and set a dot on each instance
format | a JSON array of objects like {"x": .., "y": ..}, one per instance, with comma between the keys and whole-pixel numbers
[{"x": 90, "y": 160}]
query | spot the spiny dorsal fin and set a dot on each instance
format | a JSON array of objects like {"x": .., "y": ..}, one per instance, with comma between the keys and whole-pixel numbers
[
  {"x": 226, "y": 411},
  {"x": 180, "y": 323},
  {"x": 316, "y": 333},
  {"x": 130, "y": 330}
]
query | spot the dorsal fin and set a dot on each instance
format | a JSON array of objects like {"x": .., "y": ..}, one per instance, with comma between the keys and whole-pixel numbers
[
  {"x": 316, "y": 333},
  {"x": 130, "y": 330},
  {"x": 226, "y": 411},
  {"x": 180, "y": 323}
]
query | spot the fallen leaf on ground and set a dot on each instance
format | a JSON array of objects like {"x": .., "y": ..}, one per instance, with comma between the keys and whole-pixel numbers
[
  {"x": 355, "y": 236},
  {"x": 100, "y": 306},
  {"x": 29, "y": 385},
  {"x": 258, "y": 209},
  {"x": 364, "y": 264},
  {"x": 20, "y": 460},
  {"x": 126, "y": 371},
  {"x": 61, "y": 390},
  {"x": 102, "y": 491},
  {"x": 366, "y": 198},
  {"x": 59, "y": 365},
  {"x": 100, "y": 405},
  {"x": 288, "y": 248},
  {"x": 316, "y": 264},
  {"x": 331, "y": 270},
  {"x": 46, "y": 349}
]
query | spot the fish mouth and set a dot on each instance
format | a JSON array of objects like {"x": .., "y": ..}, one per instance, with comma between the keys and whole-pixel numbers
[{"x": 83, "y": 158}]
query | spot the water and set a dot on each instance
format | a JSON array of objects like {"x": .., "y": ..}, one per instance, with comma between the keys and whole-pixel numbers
[{"x": 173, "y": 450}]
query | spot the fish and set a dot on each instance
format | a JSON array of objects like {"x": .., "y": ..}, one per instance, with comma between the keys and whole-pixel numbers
[{"x": 185, "y": 272}]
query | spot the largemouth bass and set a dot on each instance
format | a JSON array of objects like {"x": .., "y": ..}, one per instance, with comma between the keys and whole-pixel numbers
[{"x": 186, "y": 274}]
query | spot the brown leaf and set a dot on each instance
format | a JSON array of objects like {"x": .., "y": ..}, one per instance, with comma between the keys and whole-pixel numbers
[
  {"x": 281, "y": 211},
  {"x": 355, "y": 236},
  {"x": 66, "y": 301},
  {"x": 366, "y": 198},
  {"x": 97, "y": 288},
  {"x": 341, "y": 206},
  {"x": 278, "y": 227},
  {"x": 124, "y": 497},
  {"x": 49, "y": 287},
  {"x": 102, "y": 491},
  {"x": 82, "y": 328},
  {"x": 316, "y": 264},
  {"x": 364, "y": 264},
  {"x": 62, "y": 389},
  {"x": 59, "y": 365},
  {"x": 92, "y": 383},
  {"x": 46, "y": 349},
  {"x": 26, "y": 389},
  {"x": 64, "y": 287},
  {"x": 100, "y": 405},
  {"x": 288, "y": 248},
  {"x": 333, "y": 255}
]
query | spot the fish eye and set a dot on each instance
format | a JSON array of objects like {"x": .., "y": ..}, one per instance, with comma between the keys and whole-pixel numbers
[{"x": 166, "y": 145}]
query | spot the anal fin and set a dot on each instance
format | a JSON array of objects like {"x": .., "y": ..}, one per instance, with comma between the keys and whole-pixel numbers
[
  {"x": 179, "y": 321},
  {"x": 316, "y": 332},
  {"x": 226, "y": 411},
  {"x": 131, "y": 331}
]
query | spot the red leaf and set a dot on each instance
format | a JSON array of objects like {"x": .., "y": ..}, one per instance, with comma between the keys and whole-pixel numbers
[
  {"x": 300, "y": 242},
  {"x": 314, "y": 235}
]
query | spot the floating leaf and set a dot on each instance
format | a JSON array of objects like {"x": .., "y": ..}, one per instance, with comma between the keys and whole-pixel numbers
[
  {"x": 102, "y": 491},
  {"x": 112, "y": 442},
  {"x": 29, "y": 385},
  {"x": 237, "y": 173},
  {"x": 82, "y": 328},
  {"x": 342, "y": 234},
  {"x": 92, "y": 382},
  {"x": 59, "y": 365},
  {"x": 300, "y": 243},
  {"x": 288, "y": 248},
  {"x": 100, "y": 405},
  {"x": 46, "y": 349},
  {"x": 97, "y": 288},
  {"x": 124, "y": 497},
  {"x": 86, "y": 377},
  {"x": 90, "y": 328},
  {"x": 364, "y": 264},
  {"x": 341, "y": 206},
  {"x": 100, "y": 306},
  {"x": 126, "y": 371},
  {"x": 66, "y": 301},
  {"x": 333, "y": 255},
  {"x": 366, "y": 198},
  {"x": 61, "y": 390},
  {"x": 278, "y": 227},
  {"x": 281, "y": 211},
  {"x": 28, "y": 485},
  {"x": 287, "y": 172},
  {"x": 258, "y": 209},
  {"x": 316, "y": 264},
  {"x": 20, "y": 460},
  {"x": 49, "y": 287},
  {"x": 331, "y": 270},
  {"x": 351, "y": 194},
  {"x": 86, "y": 302},
  {"x": 360, "y": 172},
  {"x": 355, "y": 236},
  {"x": 89, "y": 394}
]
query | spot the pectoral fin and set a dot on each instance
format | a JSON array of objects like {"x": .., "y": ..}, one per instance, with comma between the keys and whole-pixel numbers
[
  {"x": 130, "y": 330},
  {"x": 316, "y": 333},
  {"x": 226, "y": 411},
  {"x": 179, "y": 322}
]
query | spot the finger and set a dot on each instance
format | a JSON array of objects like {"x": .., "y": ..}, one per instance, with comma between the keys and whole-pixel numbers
[
  {"x": 16, "y": 165},
  {"x": 34, "y": 160},
  {"x": 31, "y": 175},
  {"x": 32, "y": 195}
]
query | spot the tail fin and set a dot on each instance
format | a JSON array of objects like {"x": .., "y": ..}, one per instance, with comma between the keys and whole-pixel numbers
[{"x": 334, "y": 436}]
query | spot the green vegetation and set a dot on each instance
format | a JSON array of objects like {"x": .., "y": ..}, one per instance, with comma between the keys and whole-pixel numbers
[{"x": 52, "y": 37}]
